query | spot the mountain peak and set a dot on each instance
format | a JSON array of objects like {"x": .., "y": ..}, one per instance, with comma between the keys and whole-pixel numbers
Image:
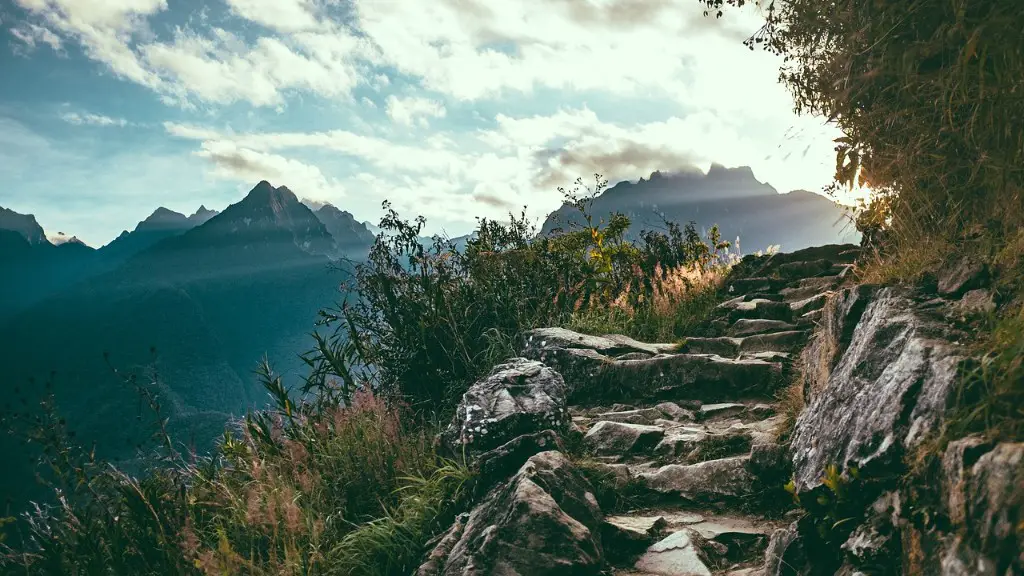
[
  {"x": 163, "y": 219},
  {"x": 24, "y": 224},
  {"x": 201, "y": 215}
]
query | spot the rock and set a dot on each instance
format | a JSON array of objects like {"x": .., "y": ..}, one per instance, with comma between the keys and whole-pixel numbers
[
  {"x": 768, "y": 461},
  {"x": 501, "y": 462},
  {"x": 673, "y": 377},
  {"x": 957, "y": 460},
  {"x": 787, "y": 341},
  {"x": 542, "y": 521},
  {"x": 888, "y": 391},
  {"x": 806, "y": 305},
  {"x": 712, "y": 481},
  {"x": 609, "y": 345},
  {"x": 626, "y": 536},
  {"x": 723, "y": 410},
  {"x": 434, "y": 563},
  {"x": 608, "y": 438},
  {"x": 755, "y": 284},
  {"x": 723, "y": 346},
  {"x": 679, "y": 442},
  {"x": 875, "y": 542},
  {"x": 804, "y": 269},
  {"x": 675, "y": 412},
  {"x": 636, "y": 416},
  {"x": 960, "y": 275},
  {"x": 838, "y": 319},
  {"x": 809, "y": 287},
  {"x": 977, "y": 301},
  {"x": 747, "y": 327},
  {"x": 518, "y": 397},
  {"x": 762, "y": 411},
  {"x": 676, "y": 555},
  {"x": 763, "y": 310},
  {"x": 994, "y": 508},
  {"x": 785, "y": 555}
]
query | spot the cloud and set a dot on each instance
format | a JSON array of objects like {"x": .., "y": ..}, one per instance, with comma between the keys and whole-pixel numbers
[
  {"x": 412, "y": 109},
  {"x": 280, "y": 15},
  {"x": 92, "y": 119},
  {"x": 31, "y": 34}
]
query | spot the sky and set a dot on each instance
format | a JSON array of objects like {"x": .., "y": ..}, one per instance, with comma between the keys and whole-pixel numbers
[{"x": 450, "y": 109}]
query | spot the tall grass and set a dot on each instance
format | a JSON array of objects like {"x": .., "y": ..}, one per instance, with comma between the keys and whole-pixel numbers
[{"x": 300, "y": 488}]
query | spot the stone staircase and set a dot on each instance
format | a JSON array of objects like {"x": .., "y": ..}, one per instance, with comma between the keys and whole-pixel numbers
[
  {"x": 679, "y": 439},
  {"x": 699, "y": 458}
]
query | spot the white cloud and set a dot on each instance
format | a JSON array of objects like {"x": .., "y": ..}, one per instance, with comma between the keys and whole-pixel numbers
[
  {"x": 281, "y": 15},
  {"x": 414, "y": 109},
  {"x": 32, "y": 34},
  {"x": 240, "y": 164},
  {"x": 92, "y": 119}
]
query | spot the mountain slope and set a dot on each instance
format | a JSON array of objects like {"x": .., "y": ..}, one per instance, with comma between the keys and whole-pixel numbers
[
  {"x": 731, "y": 198},
  {"x": 211, "y": 301},
  {"x": 353, "y": 238}
]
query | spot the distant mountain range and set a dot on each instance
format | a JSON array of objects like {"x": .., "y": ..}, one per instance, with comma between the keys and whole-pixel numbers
[
  {"x": 211, "y": 293},
  {"x": 732, "y": 198}
]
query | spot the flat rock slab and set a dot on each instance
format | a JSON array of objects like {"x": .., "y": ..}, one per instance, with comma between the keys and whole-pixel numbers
[
  {"x": 786, "y": 341},
  {"x": 636, "y": 416},
  {"x": 725, "y": 346},
  {"x": 611, "y": 344},
  {"x": 608, "y": 438},
  {"x": 713, "y": 481},
  {"x": 722, "y": 410},
  {"x": 676, "y": 555},
  {"x": 748, "y": 327},
  {"x": 762, "y": 310}
]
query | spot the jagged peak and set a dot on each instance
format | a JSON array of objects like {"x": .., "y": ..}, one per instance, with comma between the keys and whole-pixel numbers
[{"x": 164, "y": 214}]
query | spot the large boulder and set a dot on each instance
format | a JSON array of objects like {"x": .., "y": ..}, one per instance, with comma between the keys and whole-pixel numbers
[
  {"x": 517, "y": 398},
  {"x": 543, "y": 521},
  {"x": 887, "y": 392}
]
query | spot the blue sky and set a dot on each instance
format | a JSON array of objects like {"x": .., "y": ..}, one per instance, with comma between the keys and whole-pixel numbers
[{"x": 449, "y": 108}]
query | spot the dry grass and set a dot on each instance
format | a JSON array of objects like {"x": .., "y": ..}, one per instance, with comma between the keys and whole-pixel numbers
[{"x": 678, "y": 300}]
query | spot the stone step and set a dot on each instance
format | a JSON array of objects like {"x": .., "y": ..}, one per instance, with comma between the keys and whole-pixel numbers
[
  {"x": 761, "y": 309},
  {"x": 750, "y": 327},
  {"x": 755, "y": 284},
  {"x": 684, "y": 542},
  {"x": 809, "y": 287},
  {"x": 732, "y": 347},
  {"x": 723, "y": 482}
]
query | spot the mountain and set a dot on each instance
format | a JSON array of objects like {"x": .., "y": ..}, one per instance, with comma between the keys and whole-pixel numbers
[
  {"x": 732, "y": 198},
  {"x": 353, "y": 238},
  {"x": 161, "y": 224},
  {"x": 211, "y": 300},
  {"x": 202, "y": 215},
  {"x": 23, "y": 224},
  {"x": 33, "y": 267}
]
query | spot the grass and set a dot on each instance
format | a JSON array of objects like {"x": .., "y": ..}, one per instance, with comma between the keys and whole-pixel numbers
[
  {"x": 300, "y": 488},
  {"x": 679, "y": 300}
]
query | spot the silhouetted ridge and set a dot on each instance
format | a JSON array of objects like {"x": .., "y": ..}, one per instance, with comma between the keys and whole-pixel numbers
[
  {"x": 732, "y": 198},
  {"x": 24, "y": 224}
]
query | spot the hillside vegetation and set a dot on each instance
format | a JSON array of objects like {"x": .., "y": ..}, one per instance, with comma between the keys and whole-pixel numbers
[{"x": 347, "y": 480}]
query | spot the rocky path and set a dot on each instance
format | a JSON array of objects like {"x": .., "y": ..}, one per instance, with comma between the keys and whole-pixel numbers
[
  {"x": 695, "y": 464},
  {"x": 604, "y": 455},
  {"x": 678, "y": 440}
]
